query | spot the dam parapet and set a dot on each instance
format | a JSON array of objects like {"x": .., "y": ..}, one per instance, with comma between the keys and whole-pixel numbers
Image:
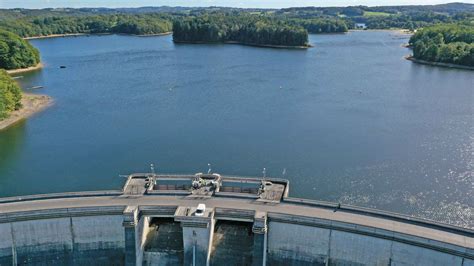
[
  {"x": 271, "y": 190},
  {"x": 209, "y": 219}
]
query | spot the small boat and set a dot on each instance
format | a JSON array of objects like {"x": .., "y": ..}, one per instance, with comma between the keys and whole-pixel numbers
[
  {"x": 35, "y": 88},
  {"x": 62, "y": 66}
]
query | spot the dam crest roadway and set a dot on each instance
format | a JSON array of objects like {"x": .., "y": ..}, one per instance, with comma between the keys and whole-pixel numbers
[{"x": 246, "y": 221}]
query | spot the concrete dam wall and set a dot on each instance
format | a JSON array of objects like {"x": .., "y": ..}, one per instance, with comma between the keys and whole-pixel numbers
[
  {"x": 308, "y": 245},
  {"x": 63, "y": 241},
  {"x": 160, "y": 227}
]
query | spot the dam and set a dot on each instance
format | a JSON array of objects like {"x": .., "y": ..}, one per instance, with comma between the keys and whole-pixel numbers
[{"x": 154, "y": 220}]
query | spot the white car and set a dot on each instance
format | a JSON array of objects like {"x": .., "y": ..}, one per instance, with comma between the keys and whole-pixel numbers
[{"x": 201, "y": 208}]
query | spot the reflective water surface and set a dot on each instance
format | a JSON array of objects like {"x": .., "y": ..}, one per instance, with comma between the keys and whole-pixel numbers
[{"x": 349, "y": 120}]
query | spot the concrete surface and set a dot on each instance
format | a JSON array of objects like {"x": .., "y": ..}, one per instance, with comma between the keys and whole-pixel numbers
[{"x": 104, "y": 228}]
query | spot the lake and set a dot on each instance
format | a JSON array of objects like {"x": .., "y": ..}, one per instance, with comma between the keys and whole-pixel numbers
[{"x": 349, "y": 120}]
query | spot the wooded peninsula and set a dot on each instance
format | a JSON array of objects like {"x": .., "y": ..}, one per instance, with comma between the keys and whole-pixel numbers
[
  {"x": 15, "y": 52},
  {"x": 446, "y": 43}
]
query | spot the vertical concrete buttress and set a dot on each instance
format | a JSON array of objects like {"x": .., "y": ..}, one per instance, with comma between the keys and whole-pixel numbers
[
  {"x": 130, "y": 221},
  {"x": 197, "y": 235},
  {"x": 259, "y": 229}
]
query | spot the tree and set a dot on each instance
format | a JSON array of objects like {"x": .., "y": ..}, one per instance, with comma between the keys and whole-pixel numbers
[
  {"x": 449, "y": 43},
  {"x": 10, "y": 95},
  {"x": 16, "y": 52}
]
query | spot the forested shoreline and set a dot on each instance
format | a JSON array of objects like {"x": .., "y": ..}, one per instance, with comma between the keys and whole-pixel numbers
[
  {"x": 156, "y": 20},
  {"x": 288, "y": 27},
  {"x": 10, "y": 95},
  {"x": 321, "y": 25},
  {"x": 118, "y": 23},
  {"x": 449, "y": 43},
  {"x": 15, "y": 52},
  {"x": 408, "y": 17},
  {"x": 242, "y": 28},
  {"x": 445, "y": 35}
]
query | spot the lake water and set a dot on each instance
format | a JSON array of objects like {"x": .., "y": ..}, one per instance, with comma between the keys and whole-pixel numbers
[{"x": 350, "y": 120}]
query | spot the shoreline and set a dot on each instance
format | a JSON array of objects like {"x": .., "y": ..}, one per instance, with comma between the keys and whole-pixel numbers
[
  {"x": 152, "y": 35},
  {"x": 404, "y": 31},
  {"x": 248, "y": 44},
  {"x": 438, "y": 64},
  {"x": 22, "y": 70},
  {"x": 93, "y": 34},
  {"x": 55, "y": 36},
  {"x": 328, "y": 33},
  {"x": 32, "y": 104},
  {"x": 64, "y": 35}
]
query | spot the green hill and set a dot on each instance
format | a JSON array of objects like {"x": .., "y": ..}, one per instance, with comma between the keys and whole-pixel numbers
[{"x": 16, "y": 52}]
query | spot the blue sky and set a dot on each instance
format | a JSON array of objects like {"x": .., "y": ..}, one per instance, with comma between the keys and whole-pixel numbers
[{"x": 233, "y": 3}]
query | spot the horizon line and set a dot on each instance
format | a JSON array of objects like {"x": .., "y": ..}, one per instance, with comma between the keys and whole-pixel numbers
[{"x": 219, "y": 6}]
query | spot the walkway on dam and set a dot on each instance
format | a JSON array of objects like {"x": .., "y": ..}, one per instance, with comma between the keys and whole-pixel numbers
[{"x": 9, "y": 210}]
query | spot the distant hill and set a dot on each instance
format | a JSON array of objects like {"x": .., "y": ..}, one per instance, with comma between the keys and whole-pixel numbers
[
  {"x": 156, "y": 20},
  {"x": 450, "y": 8}
]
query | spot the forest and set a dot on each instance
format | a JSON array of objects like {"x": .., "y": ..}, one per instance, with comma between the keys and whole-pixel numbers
[
  {"x": 62, "y": 24},
  {"x": 268, "y": 27},
  {"x": 240, "y": 28},
  {"x": 10, "y": 95},
  {"x": 385, "y": 17},
  {"x": 153, "y": 20},
  {"x": 447, "y": 43},
  {"x": 16, "y": 52},
  {"x": 321, "y": 25}
]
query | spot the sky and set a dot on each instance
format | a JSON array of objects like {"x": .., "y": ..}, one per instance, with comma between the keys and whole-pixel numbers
[{"x": 230, "y": 3}]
